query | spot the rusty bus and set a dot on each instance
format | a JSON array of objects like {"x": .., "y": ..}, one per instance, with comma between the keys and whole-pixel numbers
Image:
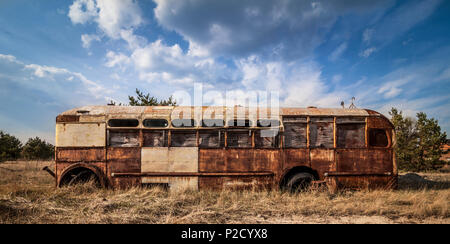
[{"x": 122, "y": 146}]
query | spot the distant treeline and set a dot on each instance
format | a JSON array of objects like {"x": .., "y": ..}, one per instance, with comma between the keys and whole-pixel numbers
[{"x": 35, "y": 149}]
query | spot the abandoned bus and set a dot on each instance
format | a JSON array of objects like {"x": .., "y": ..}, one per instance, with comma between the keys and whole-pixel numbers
[{"x": 122, "y": 146}]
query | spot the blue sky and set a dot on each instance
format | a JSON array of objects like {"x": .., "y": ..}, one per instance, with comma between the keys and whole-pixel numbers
[{"x": 56, "y": 55}]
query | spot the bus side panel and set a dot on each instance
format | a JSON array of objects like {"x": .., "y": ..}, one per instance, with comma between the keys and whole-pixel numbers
[
  {"x": 85, "y": 155},
  {"x": 364, "y": 160},
  {"x": 295, "y": 157},
  {"x": 124, "y": 160},
  {"x": 322, "y": 160},
  {"x": 234, "y": 160}
]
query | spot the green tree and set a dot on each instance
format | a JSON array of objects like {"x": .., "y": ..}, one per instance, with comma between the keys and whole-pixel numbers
[
  {"x": 418, "y": 143},
  {"x": 35, "y": 148},
  {"x": 10, "y": 147},
  {"x": 146, "y": 100},
  {"x": 430, "y": 140}
]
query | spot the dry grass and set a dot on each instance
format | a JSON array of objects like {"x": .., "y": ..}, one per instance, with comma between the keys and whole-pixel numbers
[{"x": 27, "y": 195}]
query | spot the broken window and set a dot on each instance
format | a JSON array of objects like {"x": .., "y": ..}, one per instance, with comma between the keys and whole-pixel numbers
[
  {"x": 123, "y": 138},
  {"x": 378, "y": 138},
  {"x": 155, "y": 123},
  {"x": 351, "y": 132},
  {"x": 183, "y": 139},
  {"x": 211, "y": 139},
  {"x": 213, "y": 123},
  {"x": 184, "y": 123},
  {"x": 321, "y": 132},
  {"x": 155, "y": 138},
  {"x": 240, "y": 123},
  {"x": 295, "y": 132},
  {"x": 123, "y": 122},
  {"x": 266, "y": 138},
  {"x": 239, "y": 139}
]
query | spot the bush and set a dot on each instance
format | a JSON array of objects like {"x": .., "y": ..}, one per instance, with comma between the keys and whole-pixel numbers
[
  {"x": 36, "y": 148},
  {"x": 10, "y": 147}
]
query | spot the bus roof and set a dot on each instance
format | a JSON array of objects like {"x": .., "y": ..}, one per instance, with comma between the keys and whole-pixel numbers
[{"x": 167, "y": 110}]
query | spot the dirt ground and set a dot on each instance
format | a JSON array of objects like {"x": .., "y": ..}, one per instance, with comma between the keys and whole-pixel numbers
[{"x": 28, "y": 195}]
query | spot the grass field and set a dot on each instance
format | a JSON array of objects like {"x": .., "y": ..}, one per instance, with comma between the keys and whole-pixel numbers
[{"x": 28, "y": 195}]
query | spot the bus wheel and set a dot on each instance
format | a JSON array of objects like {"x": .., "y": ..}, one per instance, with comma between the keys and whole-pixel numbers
[
  {"x": 81, "y": 176},
  {"x": 299, "y": 182}
]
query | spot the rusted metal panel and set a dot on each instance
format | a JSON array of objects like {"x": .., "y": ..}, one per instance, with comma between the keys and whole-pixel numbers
[
  {"x": 322, "y": 160},
  {"x": 80, "y": 154},
  {"x": 296, "y": 157},
  {"x": 212, "y": 160},
  {"x": 124, "y": 159},
  {"x": 364, "y": 160},
  {"x": 67, "y": 118},
  {"x": 80, "y": 135},
  {"x": 93, "y": 118},
  {"x": 378, "y": 122}
]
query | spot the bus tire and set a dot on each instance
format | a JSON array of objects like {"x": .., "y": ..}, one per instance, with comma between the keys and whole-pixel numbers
[{"x": 299, "y": 182}]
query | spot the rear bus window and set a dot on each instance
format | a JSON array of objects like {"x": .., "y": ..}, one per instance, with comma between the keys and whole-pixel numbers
[
  {"x": 184, "y": 123},
  {"x": 378, "y": 138},
  {"x": 351, "y": 132}
]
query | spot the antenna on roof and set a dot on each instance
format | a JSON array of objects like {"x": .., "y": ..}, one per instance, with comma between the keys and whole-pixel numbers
[
  {"x": 352, "y": 105},
  {"x": 342, "y": 104}
]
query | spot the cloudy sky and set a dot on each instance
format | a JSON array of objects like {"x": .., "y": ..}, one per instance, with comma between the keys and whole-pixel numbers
[{"x": 56, "y": 55}]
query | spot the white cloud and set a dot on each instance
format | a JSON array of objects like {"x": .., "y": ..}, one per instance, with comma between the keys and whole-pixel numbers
[
  {"x": 86, "y": 39},
  {"x": 289, "y": 29},
  {"x": 338, "y": 52},
  {"x": 367, "y": 35},
  {"x": 367, "y": 52},
  {"x": 82, "y": 11},
  {"x": 113, "y": 17},
  {"x": 116, "y": 59}
]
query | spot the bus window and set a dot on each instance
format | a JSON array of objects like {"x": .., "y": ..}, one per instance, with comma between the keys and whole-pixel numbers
[
  {"x": 266, "y": 139},
  {"x": 351, "y": 135},
  {"x": 213, "y": 123},
  {"x": 294, "y": 133},
  {"x": 321, "y": 132},
  {"x": 184, "y": 123},
  {"x": 123, "y": 138},
  {"x": 378, "y": 138},
  {"x": 123, "y": 122},
  {"x": 211, "y": 139},
  {"x": 268, "y": 123},
  {"x": 183, "y": 139},
  {"x": 239, "y": 139},
  {"x": 155, "y": 123},
  {"x": 240, "y": 123},
  {"x": 155, "y": 138}
]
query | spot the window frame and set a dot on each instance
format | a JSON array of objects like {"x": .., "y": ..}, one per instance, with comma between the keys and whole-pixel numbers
[{"x": 386, "y": 133}]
